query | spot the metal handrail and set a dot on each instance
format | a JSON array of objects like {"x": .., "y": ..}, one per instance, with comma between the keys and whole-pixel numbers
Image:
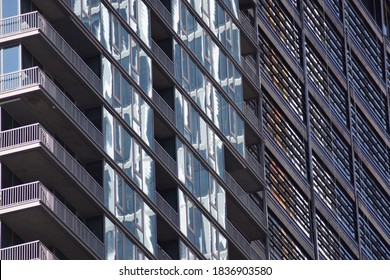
[
  {"x": 25, "y": 193},
  {"x": 165, "y": 157},
  {"x": 256, "y": 167},
  {"x": 34, "y": 250},
  {"x": 242, "y": 243},
  {"x": 247, "y": 27},
  {"x": 162, "y": 57},
  {"x": 19, "y": 79},
  {"x": 250, "y": 72},
  {"x": 35, "y": 21},
  {"x": 163, "y": 11},
  {"x": 35, "y": 133},
  {"x": 167, "y": 209},
  {"x": 164, "y": 107},
  {"x": 161, "y": 254},
  {"x": 18, "y": 24},
  {"x": 244, "y": 198},
  {"x": 35, "y": 76},
  {"x": 253, "y": 119}
]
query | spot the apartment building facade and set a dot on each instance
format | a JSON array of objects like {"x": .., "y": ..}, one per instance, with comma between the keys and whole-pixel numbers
[{"x": 182, "y": 129}]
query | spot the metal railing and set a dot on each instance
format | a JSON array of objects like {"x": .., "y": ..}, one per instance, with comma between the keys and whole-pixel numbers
[
  {"x": 167, "y": 209},
  {"x": 34, "y": 250},
  {"x": 35, "y": 76},
  {"x": 162, "y": 10},
  {"x": 250, "y": 72},
  {"x": 165, "y": 157},
  {"x": 164, "y": 107},
  {"x": 253, "y": 120},
  {"x": 19, "y": 80},
  {"x": 33, "y": 21},
  {"x": 242, "y": 243},
  {"x": 162, "y": 57},
  {"x": 252, "y": 162},
  {"x": 161, "y": 254},
  {"x": 35, "y": 133},
  {"x": 247, "y": 27},
  {"x": 244, "y": 198},
  {"x": 18, "y": 24},
  {"x": 25, "y": 193}
]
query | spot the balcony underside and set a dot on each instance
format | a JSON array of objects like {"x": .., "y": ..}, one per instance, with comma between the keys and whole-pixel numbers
[
  {"x": 55, "y": 62},
  {"x": 33, "y": 105},
  {"x": 32, "y": 221},
  {"x": 32, "y": 162}
]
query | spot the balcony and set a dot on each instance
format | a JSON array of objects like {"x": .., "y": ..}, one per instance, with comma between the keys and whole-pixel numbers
[
  {"x": 32, "y": 212},
  {"x": 242, "y": 245},
  {"x": 31, "y": 153},
  {"x": 29, "y": 96},
  {"x": 34, "y": 250},
  {"x": 243, "y": 211},
  {"x": 42, "y": 40}
]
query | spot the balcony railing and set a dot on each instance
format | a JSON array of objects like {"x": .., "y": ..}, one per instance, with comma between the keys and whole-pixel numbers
[
  {"x": 167, "y": 209},
  {"x": 35, "y": 21},
  {"x": 244, "y": 198},
  {"x": 164, "y": 107},
  {"x": 165, "y": 157},
  {"x": 253, "y": 120},
  {"x": 35, "y": 76},
  {"x": 18, "y": 24},
  {"x": 28, "y": 251},
  {"x": 163, "y": 58},
  {"x": 254, "y": 165},
  {"x": 247, "y": 27},
  {"x": 161, "y": 254},
  {"x": 250, "y": 72},
  {"x": 242, "y": 243},
  {"x": 162, "y": 10},
  {"x": 22, "y": 194},
  {"x": 35, "y": 133}
]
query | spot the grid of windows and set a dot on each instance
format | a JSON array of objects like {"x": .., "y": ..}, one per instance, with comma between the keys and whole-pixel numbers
[
  {"x": 330, "y": 245},
  {"x": 286, "y": 193},
  {"x": 129, "y": 208},
  {"x": 330, "y": 140},
  {"x": 288, "y": 85},
  {"x": 201, "y": 183},
  {"x": 282, "y": 244},
  {"x": 119, "y": 43},
  {"x": 200, "y": 231},
  {"x": 213, "y": 103},
  {"x": 125, "y": 99},
  {"x": 333, "y": 196},
  {"x": 283, "y": 25},
  {"x": 371, "y": 144},
  {"x": 128, "y": 154},
  {"x": 365, "y": 38},
  {"x": 324, "y": 32},
  {"x": 219, "y": 21},
  {"x": 284, "y": 135},
  {"x": 372, "y": 195},
  {"x": 373, "y": 245},
  {"x": 118, "y": 246}
]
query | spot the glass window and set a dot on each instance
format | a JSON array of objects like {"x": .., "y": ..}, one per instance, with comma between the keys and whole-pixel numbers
[
  {"x": 11, "y": 59},
  {"x": 9, "y": 8}
]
